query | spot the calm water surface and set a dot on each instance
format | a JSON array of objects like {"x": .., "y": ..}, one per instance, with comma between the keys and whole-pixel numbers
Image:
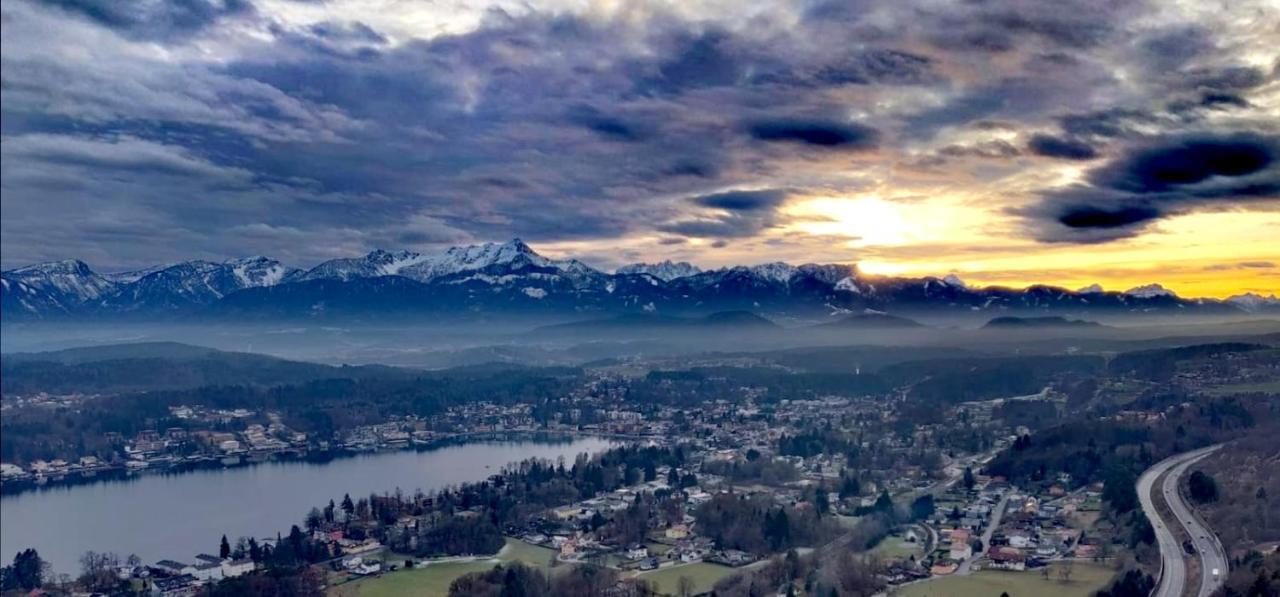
[{"x": 179, "y": 516}]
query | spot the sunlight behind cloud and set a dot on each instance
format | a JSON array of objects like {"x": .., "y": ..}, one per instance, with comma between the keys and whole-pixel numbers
[{"x": 866, "y": 220}]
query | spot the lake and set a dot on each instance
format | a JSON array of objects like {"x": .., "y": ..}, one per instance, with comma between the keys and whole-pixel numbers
[{"x": 178, "y": 516}]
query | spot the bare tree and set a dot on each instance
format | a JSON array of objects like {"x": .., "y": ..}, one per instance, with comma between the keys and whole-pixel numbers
[{"x": 98, "y": 571}]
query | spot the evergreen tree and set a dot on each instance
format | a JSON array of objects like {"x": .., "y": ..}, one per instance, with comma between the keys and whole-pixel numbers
[{"x": 26, "y": 573}]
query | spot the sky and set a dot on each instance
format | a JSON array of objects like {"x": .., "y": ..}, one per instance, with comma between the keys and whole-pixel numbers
[{"x": 1010, "y": 142}]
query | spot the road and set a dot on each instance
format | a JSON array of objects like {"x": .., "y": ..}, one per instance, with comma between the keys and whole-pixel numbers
[
  {"x": 1173, "y": 577},
  {"x": 996, "y": 514}
]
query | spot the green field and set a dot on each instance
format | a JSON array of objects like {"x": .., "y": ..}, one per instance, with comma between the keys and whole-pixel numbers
[
  {"x": 434, "y": 579},
  {"x": 703, "y": 575},
  {"x": 895, "y": 547},
  {"x": 1086, "y": 578},
  {"x": 1270, "y": 387}
]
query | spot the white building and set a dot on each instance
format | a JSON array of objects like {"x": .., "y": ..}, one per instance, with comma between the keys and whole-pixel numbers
[{"x": 234, "y": 568}]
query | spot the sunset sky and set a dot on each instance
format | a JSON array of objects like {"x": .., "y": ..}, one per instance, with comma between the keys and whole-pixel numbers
[{"x": 1120, "y": 142}]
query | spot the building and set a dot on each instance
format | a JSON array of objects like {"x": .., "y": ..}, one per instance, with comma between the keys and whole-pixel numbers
[
  {"x": 1006, "y": 558},
  {"x": 176, "y": 586},
  {"x": 234, "y": 568},
  {"x": 208, "y": 571},
  {"x": 960, "y": 549},
  {"x": 175, "y": 567}
]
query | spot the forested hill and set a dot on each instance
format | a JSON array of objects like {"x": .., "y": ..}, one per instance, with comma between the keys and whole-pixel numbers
[{"x": 162, "y": 366}]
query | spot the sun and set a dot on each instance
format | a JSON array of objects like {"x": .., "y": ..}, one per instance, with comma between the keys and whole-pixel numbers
[{"x": 864, "y": 220}]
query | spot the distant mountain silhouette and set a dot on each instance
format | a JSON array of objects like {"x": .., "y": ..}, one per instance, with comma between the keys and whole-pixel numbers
[
  {"x": 722, "y": 320},
  {"x": 1054, "y": 321},
  {"x": 869, "y": 321},
  {"x": 511, "y": 278}
]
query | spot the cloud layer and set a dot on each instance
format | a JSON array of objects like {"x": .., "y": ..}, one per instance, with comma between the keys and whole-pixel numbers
[{"x": 136, "y": 131}]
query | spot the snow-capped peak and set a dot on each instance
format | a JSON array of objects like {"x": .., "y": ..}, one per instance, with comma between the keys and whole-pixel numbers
[
  {"x": 454, "y": 260},
  {"x": 1149, "y": 291},
  {"x": 954, "y": 281},
  {"x": 1250, "y": 301},
  {"x": 477, "y": 257},
  {"x": 776, "y": 271},
  {"x": 253, "y": 272},
  {"x": 68, "y": 277},
  {"x": 376, "y": 263},
  {"x": 132, "y": 276},
  {"x": 389, "y": 264},
  {"x": 1094, "y": 288},
  {"x": 665, "y": 271},
  {"x": 48, "y": 268}
]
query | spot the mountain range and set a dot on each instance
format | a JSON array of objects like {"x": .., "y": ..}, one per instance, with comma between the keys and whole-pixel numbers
[{"x": 512, "y": 278}]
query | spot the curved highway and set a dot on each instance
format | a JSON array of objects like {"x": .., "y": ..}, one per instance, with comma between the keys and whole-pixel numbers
[{"x": 1173, "y": 576}]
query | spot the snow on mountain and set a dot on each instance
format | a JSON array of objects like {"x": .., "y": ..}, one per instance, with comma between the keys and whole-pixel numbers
[
  {"x": 198, "y": 283},
  {"x": 457, "y": 260},
  {"x": 17, "y": 297},
  {"x": 254, "y": 272},
  {"x": 827, "y": 273},
  {"x": 848, "y": 284},
  {"x": 375, "y": 264},
  {"x": 777, "y": 271},
  {"x": 665, "y": 271},
  {"x": 512, "y": 275},
  {"x": 1253, "y": 302},
  {"x": 1149, "y": 291},
  {"x": 132, "y": 276},
  {"x": 69, "y": 280}
]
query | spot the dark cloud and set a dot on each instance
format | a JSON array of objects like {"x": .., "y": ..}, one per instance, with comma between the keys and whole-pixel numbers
[
  {"x": 1059, "y": 147},
  {"x": 880, "y": 65},
  {"x": 355, "y": 30},
  {"x": 1096, "y": 217},
  {"x": 700, "y": 60},
  {"x": 822, "y": 133},
  {"x": 737, "y": 214},
  {"x": 150, "y": 19},
  {"x": 1169, "y": 49},
  {"x": 743, "y": 200},
  {"x": 607, "y": 126},
  {"x": 990, "y": 27},
  {"x": 1208, "y": 100},
  {"x": 695, "y": 168},
  {"x": 1227, "y": 78},
  {"x": 337, "y": 134},
  {"x": 1115, "y": 122},
  {"x": 1162, "y": 178},
  {"x": 1193, "y": 160}
]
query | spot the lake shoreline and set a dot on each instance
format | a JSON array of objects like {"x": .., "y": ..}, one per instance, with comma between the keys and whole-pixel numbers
[
  {"x": 118, "y": 474},
  {"x": 176, "y": 516}
]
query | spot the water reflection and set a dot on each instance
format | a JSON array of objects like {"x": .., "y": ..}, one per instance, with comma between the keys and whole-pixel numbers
[{"x": 178, "y": 516}]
